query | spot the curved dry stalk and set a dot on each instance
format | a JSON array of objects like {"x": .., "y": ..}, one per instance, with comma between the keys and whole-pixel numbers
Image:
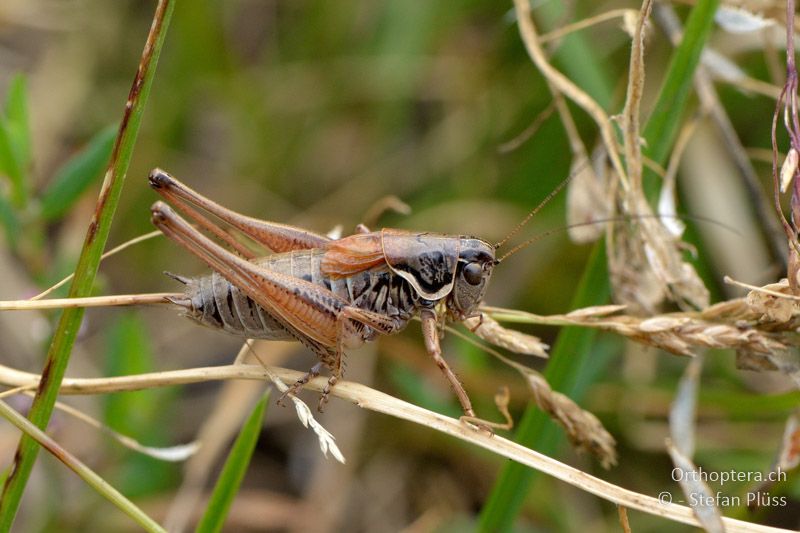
[
  {"x": 729, "y": 280},
  {"x": 520, "y": 138},
  {"x": 530, "y": 37},
  {"x": 630, "y": 114},
  {"x": 371, "y": 399},
  {"x": 583, "y": 429},
  {"x": 563, "y": 31},
  {"x": 115, "y": 250},
  {"x": 176, "y": 453},
  {"x": 82, "y": 470},
  {"x": 665, "y": 16}
]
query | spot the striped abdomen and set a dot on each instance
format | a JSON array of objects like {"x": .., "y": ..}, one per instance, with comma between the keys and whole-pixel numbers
[{"x": 215, "y": 302}]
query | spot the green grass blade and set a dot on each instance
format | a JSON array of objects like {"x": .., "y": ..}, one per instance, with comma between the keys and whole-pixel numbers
[
  {"x": 144, "y": 413},
  {"x": 233, "y": 472},
  {"x": 15, "y": 140},
  {"x": 64, "y": 337},
  {"x": 10, "y": 165},
  {"x": 576, "y": 56},
  {"x": 77, "y": 174},
  {"x": 571, "y": 349},
  {"x": 87, "y": 474},
  {"x": 16, "y": 112},
  {"x": 570, "y": 352},
  {"x": 10, "y": 222},
  {"x": 663, "y": 125}
]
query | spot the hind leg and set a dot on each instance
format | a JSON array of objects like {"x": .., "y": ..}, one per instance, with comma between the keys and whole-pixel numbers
[
  {"x": 347, "y": 317},
  {"x": 336, "y": 364},
  {"x": 300, "y": 383}
]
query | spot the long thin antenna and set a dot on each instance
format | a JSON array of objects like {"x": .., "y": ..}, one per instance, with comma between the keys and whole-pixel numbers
[
  {"x": 626, "y": 218},
  {"x": 538, "y": 207}
]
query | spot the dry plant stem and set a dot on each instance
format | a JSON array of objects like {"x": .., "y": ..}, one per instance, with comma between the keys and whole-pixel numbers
[
  {"x": 527, "y": 133},
  {"x": 115, "y": 250},
  {"x": 645, "y": 263},
  {"x": 530, "y": 37},
  {"x": 215, "y": 433},
  {"x": 91, "y": 301},
  {"x": 684, "y": 136},
  {"x": 630, "y": 114},
  {"x": 172, "y": 453},
  {"x": 731, "y": 281},
  {"x": 623, "y": 519},
  {"x": 96, "y": 236},
  {"x": 665, "y": 15},
  {"x": 83, "y": 471},
  {"x": 793, "y": 129},
  {"x": 563, "y": 31},
  {"x": 575, "y": 141},
  {"x": 377, "y": 401}
]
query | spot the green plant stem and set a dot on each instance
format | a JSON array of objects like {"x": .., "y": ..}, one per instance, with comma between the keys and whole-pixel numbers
[
  {"x": 571, "y": 351},
  {"x": 96, "y": 236},
  {"x": 233, "y": 471},
  {"x": 664, "y": 123},
  {"x": 74, "y": 464}
]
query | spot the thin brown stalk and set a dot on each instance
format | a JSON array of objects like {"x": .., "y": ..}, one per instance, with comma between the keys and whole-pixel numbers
[
  {"x": 125, "y": 245},
  {"x": 90, "y": 301},
  {"x": 665, "y": 15},
  {"x": 530, "y": 37},
  {"x": 377, "y": 401},
  {"x": 630, "y": 114},
  {"x": 563, "y": 31}
]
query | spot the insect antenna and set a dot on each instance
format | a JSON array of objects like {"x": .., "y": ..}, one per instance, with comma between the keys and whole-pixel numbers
[
  {"x": 535, "y": 210},
  {"x": 626, "y": 218}
]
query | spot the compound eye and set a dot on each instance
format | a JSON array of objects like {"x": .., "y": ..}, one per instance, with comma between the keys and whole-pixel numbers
[{"x": 473, "y": 273}]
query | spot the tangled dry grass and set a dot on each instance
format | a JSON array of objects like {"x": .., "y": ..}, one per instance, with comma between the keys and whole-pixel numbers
[{"x": 650, "y": 271}]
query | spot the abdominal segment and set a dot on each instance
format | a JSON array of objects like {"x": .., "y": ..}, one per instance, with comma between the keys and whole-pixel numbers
[{"x": 215, "y": 302}]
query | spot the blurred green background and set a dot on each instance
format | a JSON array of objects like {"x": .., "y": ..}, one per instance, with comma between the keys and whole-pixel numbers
[{"x": 310, "y": 112}]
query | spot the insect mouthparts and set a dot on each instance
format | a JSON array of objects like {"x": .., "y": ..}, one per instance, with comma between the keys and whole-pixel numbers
[
  {"x": 159, "y": 179},
  {"x": 157, "y": 211}
]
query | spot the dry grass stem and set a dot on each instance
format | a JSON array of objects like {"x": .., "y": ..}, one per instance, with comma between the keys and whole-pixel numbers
[
  {"x": 530, "y": 38},
  {"x": 327, "y": 442},
  {"x": 527, "y": 133},
  {"x": 695, "y": 489},
  {"x": 125, "y": 245},
  {"x": 733, "y": 324},
  {"x": 623, "y": 519},
  {"x": 490, "y": 330},
  {"x": 173, "y": 454},
  {"x": 633, "y": 100},
  {"x": 563, "y": 31},
  {"x": 90, "y": 301},
  {"x": 645, "y": 257},
  {"x": 376, "y": 401},
  {"x": 584, "y": 429}
]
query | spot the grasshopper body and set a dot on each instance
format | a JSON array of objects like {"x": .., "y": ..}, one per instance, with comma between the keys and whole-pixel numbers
[{"x": 328, "y": 294}]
